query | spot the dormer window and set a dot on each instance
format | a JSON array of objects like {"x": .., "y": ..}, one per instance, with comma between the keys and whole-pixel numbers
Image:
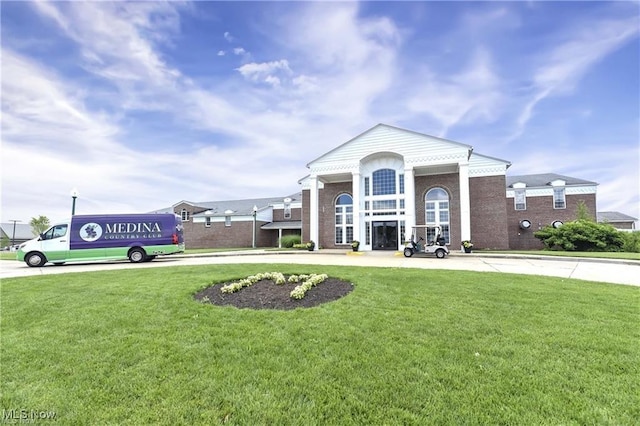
[
  {"x": 559, "y": 199},
  {"x": 520, "y": 199},
  {"x": 520, "y": 196},
  {"x": 287, "y": 208},
  {"x": 184, "y": 214}
]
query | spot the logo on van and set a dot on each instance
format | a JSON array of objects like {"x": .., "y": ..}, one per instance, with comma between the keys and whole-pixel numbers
[{"x": 90, "y": 231}]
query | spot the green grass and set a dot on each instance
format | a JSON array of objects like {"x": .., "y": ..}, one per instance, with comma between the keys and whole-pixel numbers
[
  {"x": 8, "y": 255},
  {"x": 405, "y": 347},
  {"x": 587, "y": 254}
]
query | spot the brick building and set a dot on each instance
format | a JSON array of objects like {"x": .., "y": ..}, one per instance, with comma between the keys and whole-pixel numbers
[
  {"x": 377, "y": 186},
  {"x": 258, "y": 222},
  {"x": 534, "y": 201},
  {"x": 618, "y": 220}
]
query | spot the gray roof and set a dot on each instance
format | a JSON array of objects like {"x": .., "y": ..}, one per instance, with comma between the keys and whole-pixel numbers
[
  {"x": 545, "y": 179},
  {"x": 23, "y": 231},
  {"x": 292, "y": 224},
  {"x": 238, "y": 207},
  {"x": 614, "y": 217}
]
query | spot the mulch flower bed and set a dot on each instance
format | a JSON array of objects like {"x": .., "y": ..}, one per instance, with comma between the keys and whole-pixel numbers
[{"x": 266, "y": 294}]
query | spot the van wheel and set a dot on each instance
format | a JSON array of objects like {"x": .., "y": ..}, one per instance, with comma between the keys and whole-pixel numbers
[
  {"x": 137, "y": 255},
  {"x": 440, "y": 254},
  {"x": 35, "y": 259}
]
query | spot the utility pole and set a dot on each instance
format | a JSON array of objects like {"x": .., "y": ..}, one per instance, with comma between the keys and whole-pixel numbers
[{"x": 13, "y": 237}]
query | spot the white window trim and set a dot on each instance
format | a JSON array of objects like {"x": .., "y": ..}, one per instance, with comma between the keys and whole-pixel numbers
[
  {"x": 564, "y": 198},
  {"x": 515, "y": 199},
  {"x": 344, "y": 225},
  {"x": 436, "y": 212}
]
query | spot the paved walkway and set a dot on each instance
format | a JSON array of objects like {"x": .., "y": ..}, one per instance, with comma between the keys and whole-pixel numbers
[{"x": 601, "y": 270}]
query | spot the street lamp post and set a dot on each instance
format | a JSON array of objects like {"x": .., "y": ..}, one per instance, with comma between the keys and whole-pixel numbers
[
  {"x": 13, "y": 237},
  {"x": 74, "y": 195},
  {"x": 255, "y": 212}
]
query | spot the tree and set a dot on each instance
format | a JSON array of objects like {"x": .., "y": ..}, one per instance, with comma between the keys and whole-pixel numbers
[
  {"x": 39, "y": 225},
  {"x": 582, "y": 235},
  {"x": 582, "y": 212}
]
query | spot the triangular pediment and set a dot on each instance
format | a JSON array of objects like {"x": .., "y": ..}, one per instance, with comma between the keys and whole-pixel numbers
[{"x": 384, "y": 138}]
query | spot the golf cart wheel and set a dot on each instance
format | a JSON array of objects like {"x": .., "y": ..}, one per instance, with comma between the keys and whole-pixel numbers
[
  {"x": 408, "y": 252},
  {"x": 35, "y": 259},
  {"x": 137, "y": 255},
  {"x": 440, "y": 254}
]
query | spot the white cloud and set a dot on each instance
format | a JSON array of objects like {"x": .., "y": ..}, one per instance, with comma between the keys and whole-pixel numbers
[
  {"x": 227, "y": 36},
  {"x": 221, "y": 53},
  {"x": 473, "y": 94},
  {"x": 266, "y": 71},
  {"x": 561, "y": 68}
]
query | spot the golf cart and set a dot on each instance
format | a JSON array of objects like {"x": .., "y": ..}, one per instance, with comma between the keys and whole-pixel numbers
[{"x": 426, "y": 239}]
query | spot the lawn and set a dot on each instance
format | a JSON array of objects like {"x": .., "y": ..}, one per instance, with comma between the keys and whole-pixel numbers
[
  {"x": 589, "y": 254},
  {"x": 405, "y": 347}
]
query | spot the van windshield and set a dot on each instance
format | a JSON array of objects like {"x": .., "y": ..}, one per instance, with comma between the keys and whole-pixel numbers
[{"x": 55, "y": 232}]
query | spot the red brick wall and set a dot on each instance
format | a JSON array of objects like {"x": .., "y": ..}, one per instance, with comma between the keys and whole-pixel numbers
[
  {"x": 278, "y": 214},
  {"x": 451, "y": 184},
  {"x": 540, "y": 212},
  {"x": 327, "y": 214},
  {"x": 488, "y": 213},
  {"x": 239, "y": 234}
]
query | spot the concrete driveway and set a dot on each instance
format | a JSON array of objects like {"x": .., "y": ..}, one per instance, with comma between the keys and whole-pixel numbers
[{"x": 607, "y": 271}]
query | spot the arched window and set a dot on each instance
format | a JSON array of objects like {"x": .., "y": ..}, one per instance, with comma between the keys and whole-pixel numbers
[
  {"x": 436, "y": 209},
  {"x": 384, "y": 182},
  {"x": 344, "y": 219}
]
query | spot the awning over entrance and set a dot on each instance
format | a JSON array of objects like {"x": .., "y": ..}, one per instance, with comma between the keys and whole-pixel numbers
[
  {"x": 281, "y": 226},
  {"x": 294, "y": 224}
]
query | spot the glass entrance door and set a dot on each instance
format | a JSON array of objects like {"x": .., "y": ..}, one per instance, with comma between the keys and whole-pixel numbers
[{"x": 385, "y": 235}]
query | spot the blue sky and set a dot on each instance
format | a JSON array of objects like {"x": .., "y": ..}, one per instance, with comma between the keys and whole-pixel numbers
[{"x": 141, "y": 105}]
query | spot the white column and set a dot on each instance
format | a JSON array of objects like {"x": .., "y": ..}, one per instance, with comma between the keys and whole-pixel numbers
[
  {"x": 313, "y": 211},
  {"x": 409, "y": 202},
  {"x": 356, "y": 206},
  {"x": 465, "y": 203}
]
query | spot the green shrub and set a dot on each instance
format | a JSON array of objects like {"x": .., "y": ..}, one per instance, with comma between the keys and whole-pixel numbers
[
  {"x": 582, "y": 235},
  {"x": 288, "y": 241},
  {"x": 631, "y": 242}
]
